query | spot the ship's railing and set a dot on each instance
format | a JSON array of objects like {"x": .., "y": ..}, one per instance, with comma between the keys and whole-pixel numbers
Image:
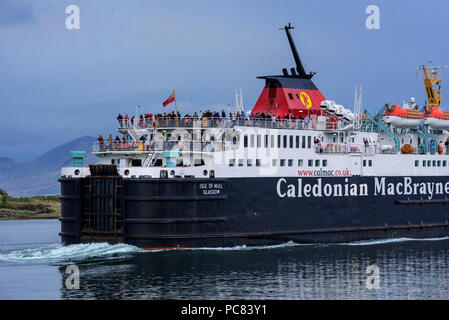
[
  {"x": 185, "y": 122},
  {"x": 128, "y": 145},
  {"x": 190, "y": 122},
  {"x": 178, "y": 145},
  {"x": 197, "y": 146},
  {"x": 347, "y": 148}
]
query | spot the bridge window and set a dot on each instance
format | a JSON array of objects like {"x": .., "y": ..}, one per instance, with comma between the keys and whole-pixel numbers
[
  {"x": 300, "y": 163},
  {"x": 279, "y": 140},
  {"x": 266, "y": 141},
  {"x": 424, "y": 163},
  {"x": 282, "y": 162},
  {"x": 285, "y": 141},
  {"x": 249, "y": 162},
  {"x": 136, "y": 163},
  {"x": 364, "y": 163},
  {"x": 444, "y": 163},
  {"x": 245, "y": 141},
  {"x": 272, "y": 141},
  {"x": 370, "y": 163},
  {"x": 303, "y": 142},
  {"x": 231, "y": 162},
  {"x": 252, "y": 141},
  {"x": 309, "y": 142},
  {"x": 317, "y": 163},
  {"x": 429, "y": 163},
  {"x": 257, "y": 162},
  {"x": 258, "y": 141},
  {"x": 416, "y": 163},
  {"x": 439, "y": 163},
  {"x": 290, "y": 162},
  {"x": 297, "y": 141},
  {"x": 324, "y": 163},
  {"x": 310, "y": 163},
  {"x": 274, "y": 162},
  {"x": 240, "y": 162},
  {"x": 434, "y": 163},
  {"x": 291, "y": 141}
]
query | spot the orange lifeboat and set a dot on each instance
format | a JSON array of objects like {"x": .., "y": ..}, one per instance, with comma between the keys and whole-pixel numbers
[
  {"x": 436, "y": 118},
  {"x": 402, "y": 118}
]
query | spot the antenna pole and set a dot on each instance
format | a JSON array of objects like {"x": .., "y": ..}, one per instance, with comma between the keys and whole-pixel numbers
[
  {"x": 299, "y": 66},
  {"x": 176, "y": 107}
]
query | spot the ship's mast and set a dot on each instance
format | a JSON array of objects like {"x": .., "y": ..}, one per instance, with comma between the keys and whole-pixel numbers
[
  {"x": 432, "y": 80},
  {"x": 299, "y": 67}
]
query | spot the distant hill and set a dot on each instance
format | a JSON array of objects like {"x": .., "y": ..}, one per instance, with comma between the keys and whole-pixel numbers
[{"x": 40, "y": 176}]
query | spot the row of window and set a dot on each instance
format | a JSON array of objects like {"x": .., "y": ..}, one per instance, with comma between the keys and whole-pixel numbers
[
  {"x": 290, "y": 95},
  {"x": 431, "y": 163},
  {"x": 282, "y": 162},
  {"x": 369, "y": 162},
  {"x": 284, "y": 141}
]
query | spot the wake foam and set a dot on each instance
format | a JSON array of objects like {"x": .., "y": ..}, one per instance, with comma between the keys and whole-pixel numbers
[
  {"x": 244, "y": 247},
  {"x": 77, "y": 252},
  {"x": 58, "y": 252},
  {"x": 393, "y": 240}
]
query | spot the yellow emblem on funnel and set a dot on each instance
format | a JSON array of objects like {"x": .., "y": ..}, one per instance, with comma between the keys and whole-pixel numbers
[{"x": 306, "y": 100}]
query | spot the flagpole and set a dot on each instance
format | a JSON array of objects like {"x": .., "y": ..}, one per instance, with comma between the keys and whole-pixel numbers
[{"x": 176, "y": 107}]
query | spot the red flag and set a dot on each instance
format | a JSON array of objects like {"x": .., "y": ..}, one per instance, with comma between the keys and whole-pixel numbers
[{"x": 169, "y": 100}]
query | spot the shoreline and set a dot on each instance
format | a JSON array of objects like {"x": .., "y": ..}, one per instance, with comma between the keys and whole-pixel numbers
[
  {"x": 27, "y": 218},
  {"x": 29, "y": 208},
  {"x": 4, "y": 216}
]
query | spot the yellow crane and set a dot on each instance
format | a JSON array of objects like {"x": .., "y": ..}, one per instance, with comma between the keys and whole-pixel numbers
[{"x": 432, "y": 79}]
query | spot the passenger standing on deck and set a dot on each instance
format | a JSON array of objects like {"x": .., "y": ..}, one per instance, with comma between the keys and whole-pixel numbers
[
  {"x": 366, "y": 142},
  {"x": 100, "y": 142},
  {"x": 120, "y": 120},
  {"x": 446, "y": 143},
  {"x": 117, "y": 142},
  {"x": 301, "y": 120},
  {"x": 141, "y": 121},
  {"x": 110, "y": 141},
  {"x": 306, "y": 122}
]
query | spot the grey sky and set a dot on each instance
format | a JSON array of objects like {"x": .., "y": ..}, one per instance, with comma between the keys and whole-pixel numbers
[{"x": 57, "y": 85}]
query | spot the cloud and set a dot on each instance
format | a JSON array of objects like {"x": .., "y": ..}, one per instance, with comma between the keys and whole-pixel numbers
[{"x": 14, "y": 12}]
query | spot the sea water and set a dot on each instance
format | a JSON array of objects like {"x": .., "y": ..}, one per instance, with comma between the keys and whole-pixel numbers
[{"x": 34, "y": 265}]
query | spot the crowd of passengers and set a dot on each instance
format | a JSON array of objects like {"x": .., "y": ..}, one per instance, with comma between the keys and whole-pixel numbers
[
  {"x": 127, "y": 143},
  {"x": 211, "y": 118}
]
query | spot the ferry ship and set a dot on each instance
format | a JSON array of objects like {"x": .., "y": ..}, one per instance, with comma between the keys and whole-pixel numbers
[{"x": 299, "y": 167}]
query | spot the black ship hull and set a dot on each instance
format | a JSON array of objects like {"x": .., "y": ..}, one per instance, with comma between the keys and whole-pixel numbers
[{"x": 189, "y": 212}]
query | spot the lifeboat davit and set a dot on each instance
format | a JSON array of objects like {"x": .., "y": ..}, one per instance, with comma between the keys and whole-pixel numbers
[
  {"x": 436, "y": 118},
  {"x": 402, "y": 118}
]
